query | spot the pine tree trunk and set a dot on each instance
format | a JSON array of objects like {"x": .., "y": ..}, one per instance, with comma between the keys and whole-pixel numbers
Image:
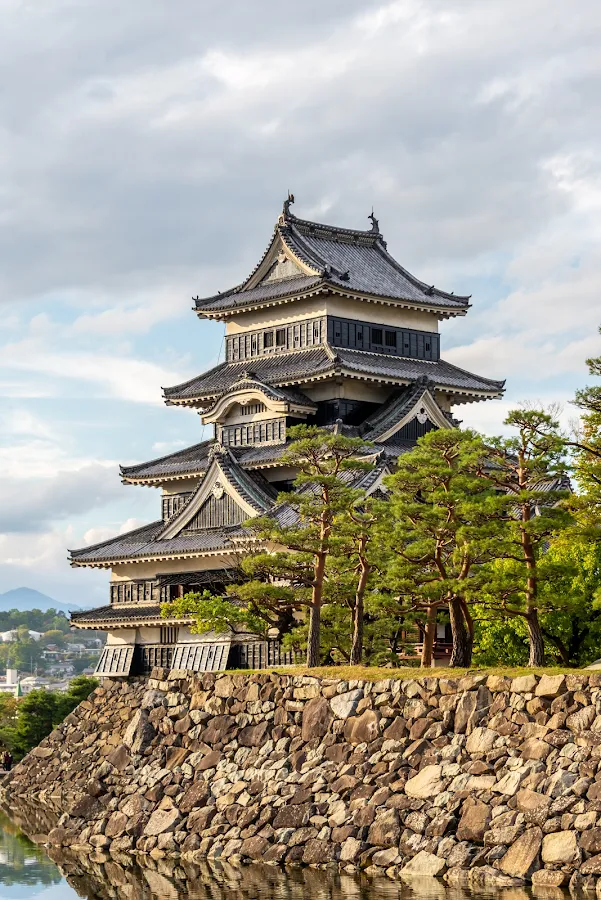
[
  {"x": 429, "y": 637},
  {"x": 358, "y": 615},
  {"x": 313, "y": 655},
  {"x": 461, "y": 655},
  {"x": 357, "y": 643},
  {"x": 535, "y": 636}
]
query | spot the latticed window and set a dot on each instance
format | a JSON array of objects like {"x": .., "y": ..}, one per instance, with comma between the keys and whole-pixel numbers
[
  {"x": 169, "y": 634},
  {"x": 268, "y": 339},
  {"x": 376, "y": 335}
]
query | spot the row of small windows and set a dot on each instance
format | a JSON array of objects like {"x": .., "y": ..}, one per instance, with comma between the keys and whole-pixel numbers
[
  {"x": 271, "y": 431},
  {"x": 173, "y": 503},
  {"x": 291, "y": 337},
  {"x": 379, "y": 339},
  {"x": 132, "y": 592},
  {"x": 252, "y": 409},
  {"x": 349, "y": 333}
]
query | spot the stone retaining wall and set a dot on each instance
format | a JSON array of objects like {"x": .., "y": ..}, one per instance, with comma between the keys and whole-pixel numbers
[{"x": 482, "y": 780}]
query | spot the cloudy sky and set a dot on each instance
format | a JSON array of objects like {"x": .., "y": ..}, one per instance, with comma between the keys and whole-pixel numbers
[{"x": 145, "y": 150}]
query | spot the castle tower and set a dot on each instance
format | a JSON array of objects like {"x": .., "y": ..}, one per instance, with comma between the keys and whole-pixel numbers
[{"x": 328, "y": 329}]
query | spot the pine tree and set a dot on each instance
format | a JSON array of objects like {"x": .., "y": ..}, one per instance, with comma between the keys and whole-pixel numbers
[
  {"x": 439, "y": 526},
  {"x": 529, "y": 472},
  {"x": 290, "y": 578}
]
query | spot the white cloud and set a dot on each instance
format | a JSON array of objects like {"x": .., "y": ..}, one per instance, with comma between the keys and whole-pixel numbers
[
  {"x": 105, "y": 533},
  {"x": 131, "y": 379}
]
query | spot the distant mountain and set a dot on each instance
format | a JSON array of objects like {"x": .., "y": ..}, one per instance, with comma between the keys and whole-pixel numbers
[{"x": 25, "y": 598}]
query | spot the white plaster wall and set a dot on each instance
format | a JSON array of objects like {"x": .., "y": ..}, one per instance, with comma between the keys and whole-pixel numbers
[
  {"x": 333, "y": 305},
  {"x": 275, "y": 317},
  {"x": 127, "y": 572},
  {"x": 121, "y": 636},
  {"x": 180, "y": 486}
]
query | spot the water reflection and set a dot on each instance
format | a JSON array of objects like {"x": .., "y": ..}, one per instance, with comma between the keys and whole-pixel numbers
[
  {"x": 25, "y": 866},
  {"x": 117, "y": 878}
]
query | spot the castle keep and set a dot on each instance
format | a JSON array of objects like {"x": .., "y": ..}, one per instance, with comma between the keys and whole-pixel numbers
[{"x": 328, "y": 329}]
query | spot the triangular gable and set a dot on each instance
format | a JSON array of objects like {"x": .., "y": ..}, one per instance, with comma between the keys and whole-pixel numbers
[
  {"x": 279, "y": 261},
  {"x": 227, "y": 494},
  {"x": 423, "y": 407}
]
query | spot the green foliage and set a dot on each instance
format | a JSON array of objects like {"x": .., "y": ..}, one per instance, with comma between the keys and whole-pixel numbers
[
  {"x": 212, "y": 613},
  {"x": 528, "y": 470},
  {"x": 440, "y": 525},
  {"x": 26, "y": 722},
  {"x": 34, "y": 620}
]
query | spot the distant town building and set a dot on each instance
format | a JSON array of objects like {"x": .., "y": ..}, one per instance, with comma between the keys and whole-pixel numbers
[
  {"x": 9, "y": 637},
  {"x": 328, "y": 329}
]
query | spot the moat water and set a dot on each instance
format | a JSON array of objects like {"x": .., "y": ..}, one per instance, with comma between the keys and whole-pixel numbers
[{"x": 28, "y": 871}]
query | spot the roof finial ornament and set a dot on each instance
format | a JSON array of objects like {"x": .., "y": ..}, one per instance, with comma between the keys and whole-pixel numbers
[
  {"x": 287, "y": 204},
  {"x": 375, "y": 225}
]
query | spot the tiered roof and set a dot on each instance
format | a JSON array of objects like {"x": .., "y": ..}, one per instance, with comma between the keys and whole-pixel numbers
[
  {"x": 319, "y": 363},
  {"x": 328, "y": 258}
]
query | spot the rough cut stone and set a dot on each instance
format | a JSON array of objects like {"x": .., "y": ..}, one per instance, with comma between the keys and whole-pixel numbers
[
  {"x": 386, "y": 830},
  {"x": 560, "y": 848},
  {"x": 548, "y": 878},
  {"x": 474, "y": 821},
  {"x": 534, "y": 748},
  {"x": 344, "y": 705},
  {"x": 162, "y": 820},
  {"x": 550, "y": 686},
  {"x": 582, "y": 720},
  {"x": 364, "y": 729},
  {"x": 427, "y": 783},
  {"x": 522, "y": 857},
  {"x": 525, "y": 684},
  {"x": 317, "y": 716},
  {"x": 139, "y": 732},
  {"x": 423, "y": 863},
  {"x": 481, "y": 740}
]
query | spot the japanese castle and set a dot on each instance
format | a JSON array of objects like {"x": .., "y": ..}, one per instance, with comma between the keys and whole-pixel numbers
[{"x": 328, "y": 329}]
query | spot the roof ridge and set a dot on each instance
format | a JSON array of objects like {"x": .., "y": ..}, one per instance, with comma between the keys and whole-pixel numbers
[
  {"x": 429, "y": 290},
  {"x": 293, "y": 220}
]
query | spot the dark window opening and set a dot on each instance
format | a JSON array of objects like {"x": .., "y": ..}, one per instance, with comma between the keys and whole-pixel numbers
[
  {"x": 280, "y": 337},
  {"x": 169, "y": 634},
  {"x": 376, "y": 335},
  {"x": 390, "y": 338},
  {"x": 268, "y": 339},
  {"x": 427, "y": 346}
]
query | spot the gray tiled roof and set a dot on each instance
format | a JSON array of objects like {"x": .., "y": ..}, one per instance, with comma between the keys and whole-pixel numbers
[
  {"x": 278, "y": 370},
  {"x": 116, "y": 613},
  {"x": 393, "y": 410},
  {"x": 189, "y": 461},
  {"x": 300, "y": 366},
  {"x": 269, "y": 290},
  {"x": 348, "y": 259},
  {"x": 142, "y": 543},
  {"x": 442, "y": 374},
  {"x": 249, "y": 381},
  {"x": 255, "y": 489}
]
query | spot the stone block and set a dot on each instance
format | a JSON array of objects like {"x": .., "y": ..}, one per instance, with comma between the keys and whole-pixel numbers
[{"x": 560, "y": 848}]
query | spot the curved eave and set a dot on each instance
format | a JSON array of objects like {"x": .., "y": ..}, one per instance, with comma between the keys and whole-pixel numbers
[
  {"x": 111, "y": 624},
  {"x": 493, "y": 393},
  {"x": 444, "y": 312},
  {"x": 220, "y": 314},
  {"x": 158, "y": 480},
  {"x": 239, "y": 546}
]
